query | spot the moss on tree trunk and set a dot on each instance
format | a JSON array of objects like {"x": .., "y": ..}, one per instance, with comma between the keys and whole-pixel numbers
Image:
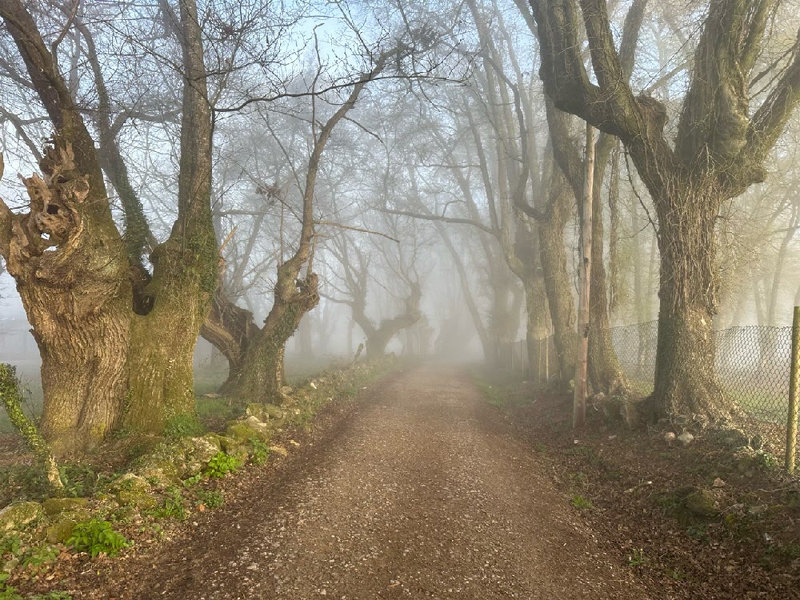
[
  {"x": 259, "y": 376},
  {"x": 11, "y": 399}
]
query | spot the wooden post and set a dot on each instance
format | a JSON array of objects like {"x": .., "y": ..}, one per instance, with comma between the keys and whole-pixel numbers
[
  {"x": 547, "y": 359},
  {"x": 582, "y": 362},
  {"x": 794, "y": 392}
]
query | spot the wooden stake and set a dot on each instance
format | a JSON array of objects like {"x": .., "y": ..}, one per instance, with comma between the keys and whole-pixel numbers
[
  {"x": 794, "y": 394},
  {"x": 582, "y": 362}
]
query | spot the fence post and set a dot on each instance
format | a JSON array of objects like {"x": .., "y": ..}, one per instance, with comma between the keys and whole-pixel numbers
[{"x": 794, "y": 392}]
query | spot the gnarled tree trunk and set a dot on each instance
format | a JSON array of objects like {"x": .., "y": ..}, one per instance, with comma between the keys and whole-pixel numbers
[
  {"x": 684, "y": 381},
  {"x": 719, "y": 151},
  {"x": 71, "y": 274},
  {"x": 379, "y": 337},
  {"x": 74, "y": 275},
  {"x": 69, "y": 263},
  {"x": 259, "y": 376}
]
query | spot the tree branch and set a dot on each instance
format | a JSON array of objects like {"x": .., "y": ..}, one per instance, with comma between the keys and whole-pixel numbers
[
  {"x": 771, "y": 117},
  {"x": 424, "y": 217},
  {"x": 354, "y": 228},
  {"x": 5, "y": 220}
]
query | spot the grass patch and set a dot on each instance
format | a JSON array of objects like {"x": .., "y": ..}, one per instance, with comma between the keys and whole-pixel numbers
[
  {"x": 580, "y": 502},
  {"x": 495, "y": 396},
  {"x": 210, "y": 498},
  {"x": 186, "y": 425},
  {"x": 173, "y": 506},
  {"x": 214, "y": 412}
]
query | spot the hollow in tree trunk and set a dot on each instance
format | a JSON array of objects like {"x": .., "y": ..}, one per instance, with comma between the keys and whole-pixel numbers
[{"x": 72, "y": 275}]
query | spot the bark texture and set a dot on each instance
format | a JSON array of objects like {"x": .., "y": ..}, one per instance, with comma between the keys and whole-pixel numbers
[
  {"x": 557, "y": 284},
  {"x": 73, "y": 270},
  {"x": 69, "y": 264},
  {"x": 185, "y": 267},
  {"x": 718, "y": 153}
]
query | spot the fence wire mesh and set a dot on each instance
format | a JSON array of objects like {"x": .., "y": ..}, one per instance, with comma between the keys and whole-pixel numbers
[{"x": 751, "y": 365}]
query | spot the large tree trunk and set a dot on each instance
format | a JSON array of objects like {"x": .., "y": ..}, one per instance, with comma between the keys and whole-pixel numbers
[
  {"x": 525, "y": 264},
  {"x": 605, "y": 373},
  {"x": 259, "y": 376},
  {"x": 73, "y": 274},
  {"x": 557, "y": 284},
  {"x": 161, "y": 384},
  {"x": 719, "y": 151},
  {"x": 229, "y": 328},
  {"x": 75, "y": 296},
  {"x": 69, "y": 263},
  {"x": 536, "y": 331},
  {"x": 685, "y": 383},
  {"x": 185, "y": 267}
]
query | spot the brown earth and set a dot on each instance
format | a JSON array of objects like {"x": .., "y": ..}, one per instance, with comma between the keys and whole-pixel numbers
[
  {"x": 637, "y": 483},
  {"x": 421, "y": 491}
]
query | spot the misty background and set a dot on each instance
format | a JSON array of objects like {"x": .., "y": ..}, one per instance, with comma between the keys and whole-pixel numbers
[{"x": 413, "y": 192}]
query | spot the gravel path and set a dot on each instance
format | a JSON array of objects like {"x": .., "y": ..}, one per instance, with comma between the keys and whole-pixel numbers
[{"x": 423, "y": 494}]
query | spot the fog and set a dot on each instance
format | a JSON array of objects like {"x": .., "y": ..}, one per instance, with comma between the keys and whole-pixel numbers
[{"x": 442, "y": 213}]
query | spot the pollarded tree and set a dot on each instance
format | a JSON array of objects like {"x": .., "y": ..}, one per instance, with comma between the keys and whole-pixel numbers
[
  {"x": 100, "y": 360},
  {"x": 718, "y": 152},
  {"x": 258, "y": 371},
  {"x": 352, "y": 286}
]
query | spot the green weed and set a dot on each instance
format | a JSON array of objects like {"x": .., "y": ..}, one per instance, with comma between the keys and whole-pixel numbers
[
  {"x": 185, "y": 425},
  {"x": 95, "y": 537},
  {"x": 222, "y": 464},
  {"x": 214, "y": 412},
  {"x": 10, "y": 545},
  {"x": 697, "y": 532},
  {"x": 8, "y": 592},
  {"x": 580, "y": 502},
  {"x": 260, "y": 451},
  {"x": 677, "y": 573},
  {"x": 210, "y": 498},
  {"x": 193, "y": 480},
  {"x": 22, "y": 482},
  {"x": 637, "y": 558},
  {"x": 79, "y": 479},
  {"x": 172, "y": 507},
  {"x": 40, "y": 556}
]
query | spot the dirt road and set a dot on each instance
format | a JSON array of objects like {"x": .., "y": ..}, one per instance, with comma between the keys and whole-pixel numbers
[{"x": 423, "y": 494}]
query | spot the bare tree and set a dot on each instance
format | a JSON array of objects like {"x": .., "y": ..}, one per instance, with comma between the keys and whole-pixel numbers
[
  {"x": 353, "y": 285},
  {"x": 718, "y": 153},
  {"x": 72, "y": 268}
]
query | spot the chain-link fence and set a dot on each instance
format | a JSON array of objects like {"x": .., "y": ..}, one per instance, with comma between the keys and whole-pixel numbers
[{"x": 751, "y": 365}]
